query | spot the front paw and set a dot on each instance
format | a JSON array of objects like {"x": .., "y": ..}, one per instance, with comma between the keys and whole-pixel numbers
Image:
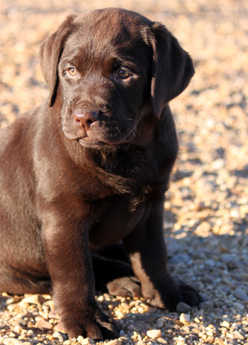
[
  {"x": 95, "y": 325},
  {"x": 189, "y": 295},
  {"x": 170, "y": 292}
]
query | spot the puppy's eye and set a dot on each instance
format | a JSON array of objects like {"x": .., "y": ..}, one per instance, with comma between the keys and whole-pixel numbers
[
  {"x": 123, "y": 74},
  {"x": 72, "y": 71}
]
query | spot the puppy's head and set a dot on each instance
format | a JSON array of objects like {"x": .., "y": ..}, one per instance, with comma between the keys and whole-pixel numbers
[{"x": 113, "y": 69}]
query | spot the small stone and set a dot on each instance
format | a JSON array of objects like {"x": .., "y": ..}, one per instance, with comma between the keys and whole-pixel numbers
[
  {"x": 17, "y": 329},
  {"x": 22, "y": 322},
  {"x": 10, "y": 301},
  {"x": 210, "y": 339},
  {"x": 154, "y": 333},
  {"x": 183, "y": 307},
  {"x": 12, "y": 334},
  {"x": 241, "y": 294},
  {"x": 238, "y": 306},
  {"x": 159, "y": 324},
  {"x": 219, "y": 341},
  {"x": 238, "y": 335},
  {"x": 85, "y": 341},
  {"x": 185, "y": 318},
  {"x": 210, "y": 263},
  {"x": 173, "y": 248},
  {"x": 12, "y": 307},
  {"x": 43, "y": 324},
  {"x": 140, "y": 326},
  {"x": 225, "y": 324},
  {"x": 231, "y": 261},
  {"x": 80, "y": 339},
  {"x": 33, "y": 299},
  {"x": 180, "y": 258},
  {"x": 30, "y": 333},
  {"x": 218, "y": 164},
  {"x": 206, "y": 186},
  {"x": 162, "y": 341},
  {"x": 60, "y": 336},
  {"x": 10, "y": 341},
  {"x": 41, "y": 299},
  {"x": 148, "y": 318},
  {"x": 180, "y": 341},
  {"x": 114, "y": 342}
]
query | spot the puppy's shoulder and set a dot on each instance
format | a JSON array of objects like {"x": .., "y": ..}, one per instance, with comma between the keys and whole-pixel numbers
[{"x": 15, "y": 135}]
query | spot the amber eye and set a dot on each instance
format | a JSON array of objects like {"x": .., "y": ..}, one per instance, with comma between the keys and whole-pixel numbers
[
  {"x": 72, "y": 71},
  {"x": 123, "y": 74}
]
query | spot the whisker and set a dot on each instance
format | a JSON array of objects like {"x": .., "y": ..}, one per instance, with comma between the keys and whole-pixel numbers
[
  {"x": 138, "y": 132},
  {"x": 118, "y": 129},
  {"x": 130, "y": 119}
]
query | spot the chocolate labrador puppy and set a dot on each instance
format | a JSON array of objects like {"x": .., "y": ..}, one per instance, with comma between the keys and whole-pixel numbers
[{"x": 89, "y": 168}]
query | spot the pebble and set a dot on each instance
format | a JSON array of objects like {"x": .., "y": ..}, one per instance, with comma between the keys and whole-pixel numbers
[
  {"x": 231, "y": 261},
  {"x": 225, "y": 324},
  {"x": 180, "y": 341},
  {"x": 238, "y": 306},
  {"x": 210, "y": 262},
  {"x": 184, "y": 318},
  {"x": 183, "y": 307},
  {"x": 139, "y": 326},
  {"x": 85, "y": 341},
  {"x": 159, "y": 324},
  {"x": 114, "y": 342},
  {"x": 238, "y": 335},
  {"x": 241, "y": 294},
  {"x": 60, "y": 336},
  {"x": 219, "y": 341},
  {"x": 154, "y": 333},
  {"x": 33, "y": 299},
  {"x": 173, "y": 248},
  {"x": 22, "y": 322},
  {"x": 162, "y": 341},
  {"x": 43, "y": 324},
  {"x": 180, "y": 259},
  {"x": 10, "y": 341}
]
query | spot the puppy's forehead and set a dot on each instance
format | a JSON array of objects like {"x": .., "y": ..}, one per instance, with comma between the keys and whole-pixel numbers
[
  {"x": 111, "y": 19},
  {"x": 108, "y": 29}
]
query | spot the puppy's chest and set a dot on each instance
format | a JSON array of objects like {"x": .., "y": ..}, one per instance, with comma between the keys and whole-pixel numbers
[{"x": 116, "y": 219}]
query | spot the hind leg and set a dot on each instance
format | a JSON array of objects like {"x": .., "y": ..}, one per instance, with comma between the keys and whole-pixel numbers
[
  {"x": 115, "y": 277},
  {"x": 24, "y": 285}
]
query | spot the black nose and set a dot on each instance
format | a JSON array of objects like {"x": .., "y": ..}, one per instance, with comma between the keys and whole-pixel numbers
[{"x": 85, "y": 118}]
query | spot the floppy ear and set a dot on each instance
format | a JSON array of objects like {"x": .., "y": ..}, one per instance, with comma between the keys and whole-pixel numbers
[
  {"x": 50, "y": 53},
  {"x": 172, "y": 68}
]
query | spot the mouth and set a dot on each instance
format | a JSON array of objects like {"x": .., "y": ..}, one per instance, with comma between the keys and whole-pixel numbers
[
  {"x": 95, "y": 143},
  {"x": 89, "y": 143}
]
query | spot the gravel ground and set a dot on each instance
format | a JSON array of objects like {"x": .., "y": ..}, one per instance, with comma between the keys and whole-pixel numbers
[{"x": 206, "y": 212}]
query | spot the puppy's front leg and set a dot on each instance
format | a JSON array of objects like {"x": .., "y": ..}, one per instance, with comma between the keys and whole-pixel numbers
[
  {"x": 65, "y": 238},
  {"x": 148, "y": 254}
]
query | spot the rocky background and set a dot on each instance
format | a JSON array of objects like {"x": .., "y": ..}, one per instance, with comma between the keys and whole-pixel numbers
[{"x": 206, "y": 212}]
